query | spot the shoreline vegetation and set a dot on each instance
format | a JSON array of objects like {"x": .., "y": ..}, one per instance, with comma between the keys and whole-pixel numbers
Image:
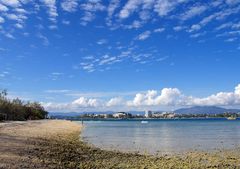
[
  {"x": 57, "y": 144},
  {"x": 18, "y": 110}
]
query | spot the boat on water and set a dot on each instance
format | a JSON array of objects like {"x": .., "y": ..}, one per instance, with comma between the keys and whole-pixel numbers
[
  {"x": 231, "y": 118},
  {"x": 144, "y": 122}
]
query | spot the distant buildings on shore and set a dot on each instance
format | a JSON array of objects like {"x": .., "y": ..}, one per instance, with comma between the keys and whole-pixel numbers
[
  {"x": 150, "y": 114},
  {"x": 124, "y": 115},
  {"x": 147, "y": 115}
]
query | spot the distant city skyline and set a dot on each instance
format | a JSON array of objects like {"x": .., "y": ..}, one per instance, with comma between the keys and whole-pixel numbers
[{"x": 95, "y": 55}]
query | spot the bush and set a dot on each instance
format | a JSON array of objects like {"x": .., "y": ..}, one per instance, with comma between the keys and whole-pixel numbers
[{"x": 16, "y": 109}]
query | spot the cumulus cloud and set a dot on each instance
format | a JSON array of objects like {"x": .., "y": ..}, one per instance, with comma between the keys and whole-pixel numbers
[
  {"x": 167, "y": 97},
  {"x": 84, "y": 102},
  {"x": 174, "y": 97},
  {"x": 79, "y": 104},
  {"x": 116, "y": 101}
]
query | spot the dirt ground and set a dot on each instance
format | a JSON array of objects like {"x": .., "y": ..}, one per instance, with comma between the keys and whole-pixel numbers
[{"x": 17, "y": 140}]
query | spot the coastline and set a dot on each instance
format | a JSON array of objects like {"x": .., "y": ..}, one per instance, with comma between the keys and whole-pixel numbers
[{"x": 57, "y": 144}]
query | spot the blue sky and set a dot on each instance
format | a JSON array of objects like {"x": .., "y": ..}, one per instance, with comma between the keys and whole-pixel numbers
[{"x": 79, "y": 55}]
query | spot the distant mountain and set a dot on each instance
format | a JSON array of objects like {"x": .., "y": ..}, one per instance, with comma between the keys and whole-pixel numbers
[{"x": 205, "y": 110}]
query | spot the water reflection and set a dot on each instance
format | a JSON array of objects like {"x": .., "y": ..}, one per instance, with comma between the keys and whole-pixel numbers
[{"x": 164, "y": 137}]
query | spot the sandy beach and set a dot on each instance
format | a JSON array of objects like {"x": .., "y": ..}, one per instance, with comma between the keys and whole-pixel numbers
[
  {"x": 56, "y": 144},
  {"x": 19, "y": 141}
]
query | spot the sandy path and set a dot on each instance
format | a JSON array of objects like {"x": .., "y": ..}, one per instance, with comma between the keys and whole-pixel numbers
[{"x": 16, "y": 139}]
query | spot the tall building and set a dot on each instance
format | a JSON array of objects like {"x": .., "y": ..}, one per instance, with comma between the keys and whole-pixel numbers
[{"x": 148, "y": 114}]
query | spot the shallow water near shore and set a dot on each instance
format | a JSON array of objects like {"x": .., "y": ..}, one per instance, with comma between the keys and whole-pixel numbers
[{"x": 163, "y": 136}]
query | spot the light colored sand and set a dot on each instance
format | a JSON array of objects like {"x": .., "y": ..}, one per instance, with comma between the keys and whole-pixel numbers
[{"x": 15, "y": 139}]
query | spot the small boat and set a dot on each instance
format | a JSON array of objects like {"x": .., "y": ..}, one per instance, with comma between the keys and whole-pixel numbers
[
  {"x": 144, "y": 122},
  {"x": 231, "y": 118}
]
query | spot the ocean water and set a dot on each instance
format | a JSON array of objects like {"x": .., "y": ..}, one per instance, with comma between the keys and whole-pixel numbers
[{"x": 163, "y": 136}]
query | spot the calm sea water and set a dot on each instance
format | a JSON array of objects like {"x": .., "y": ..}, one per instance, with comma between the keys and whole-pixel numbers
[{"x": 163, "y": 136}]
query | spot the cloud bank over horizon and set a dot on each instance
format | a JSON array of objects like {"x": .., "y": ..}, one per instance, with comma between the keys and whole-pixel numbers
[{"x": 167, "y": 98}]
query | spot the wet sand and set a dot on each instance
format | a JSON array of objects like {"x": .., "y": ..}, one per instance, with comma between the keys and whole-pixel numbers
[{"x": 56, "y": 144}]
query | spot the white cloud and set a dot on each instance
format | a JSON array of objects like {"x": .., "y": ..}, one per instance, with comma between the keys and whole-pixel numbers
[
  {"x": 84, "y": 102},
  {"x": 89, "y": 68},
  {"x": 114, "y": 4},
  {"x": 195, "y": 27},
  {"x": 174, "y": 97},
  {"x": 129, "y": 8},
  {"x": 164, "y": 7},
  {"x": 178, "y": 28},
  {"x": 196, "y": 35},
  {"x": 102, "y": 41},
  {"x": 53, "y": 27},
  {"x": 108, "y": 60},
  {"x": 2, "y": 20},
  {"x": 236, "y": 25},
  {"x": 193, "y": 11},
  {"x": 9, "y": 35},
  {"x": 90, "y": 8},
  {"x": 52, "y": 9},
  {"x": 57, "y": 91},
  {"x": 69, "y": 5},
  {"x": 116, "y": 101},
  {"x": 18, "y": 25},
  {"x": 167, "y": 97},
  {"x": 11, "y": 3},
  {"x": 66, "y": 22},
  {"x": 220, "y": 15},
  {"x": 3, "y": 8},
  {"x": 44, "y": 39},
  {"x": 225, "y": 25},
  {"x": 159, "y": 30},
  {"x": 232, "y": 2},
  {"x": 21, "y": 10},
  {"x": 135, "y": 25},
  {"x": 144, "y": 35}
]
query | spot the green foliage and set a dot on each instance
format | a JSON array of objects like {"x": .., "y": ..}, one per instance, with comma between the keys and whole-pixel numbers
[{"x": 16, "y": 109}]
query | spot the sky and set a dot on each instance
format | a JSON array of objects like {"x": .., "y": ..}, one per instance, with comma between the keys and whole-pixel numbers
[{"x": 121, "y": 55}]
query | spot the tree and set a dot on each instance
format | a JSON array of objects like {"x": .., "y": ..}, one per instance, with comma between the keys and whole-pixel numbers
[{"x": 16, "y": 109}]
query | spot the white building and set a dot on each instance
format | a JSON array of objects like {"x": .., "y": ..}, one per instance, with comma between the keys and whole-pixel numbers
[
  {"x": 171, "y": 115},
  {"x": 148, "y": 114},
  {"x": 157, "y": 115},
  {"x": 119, "y": 115}
]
